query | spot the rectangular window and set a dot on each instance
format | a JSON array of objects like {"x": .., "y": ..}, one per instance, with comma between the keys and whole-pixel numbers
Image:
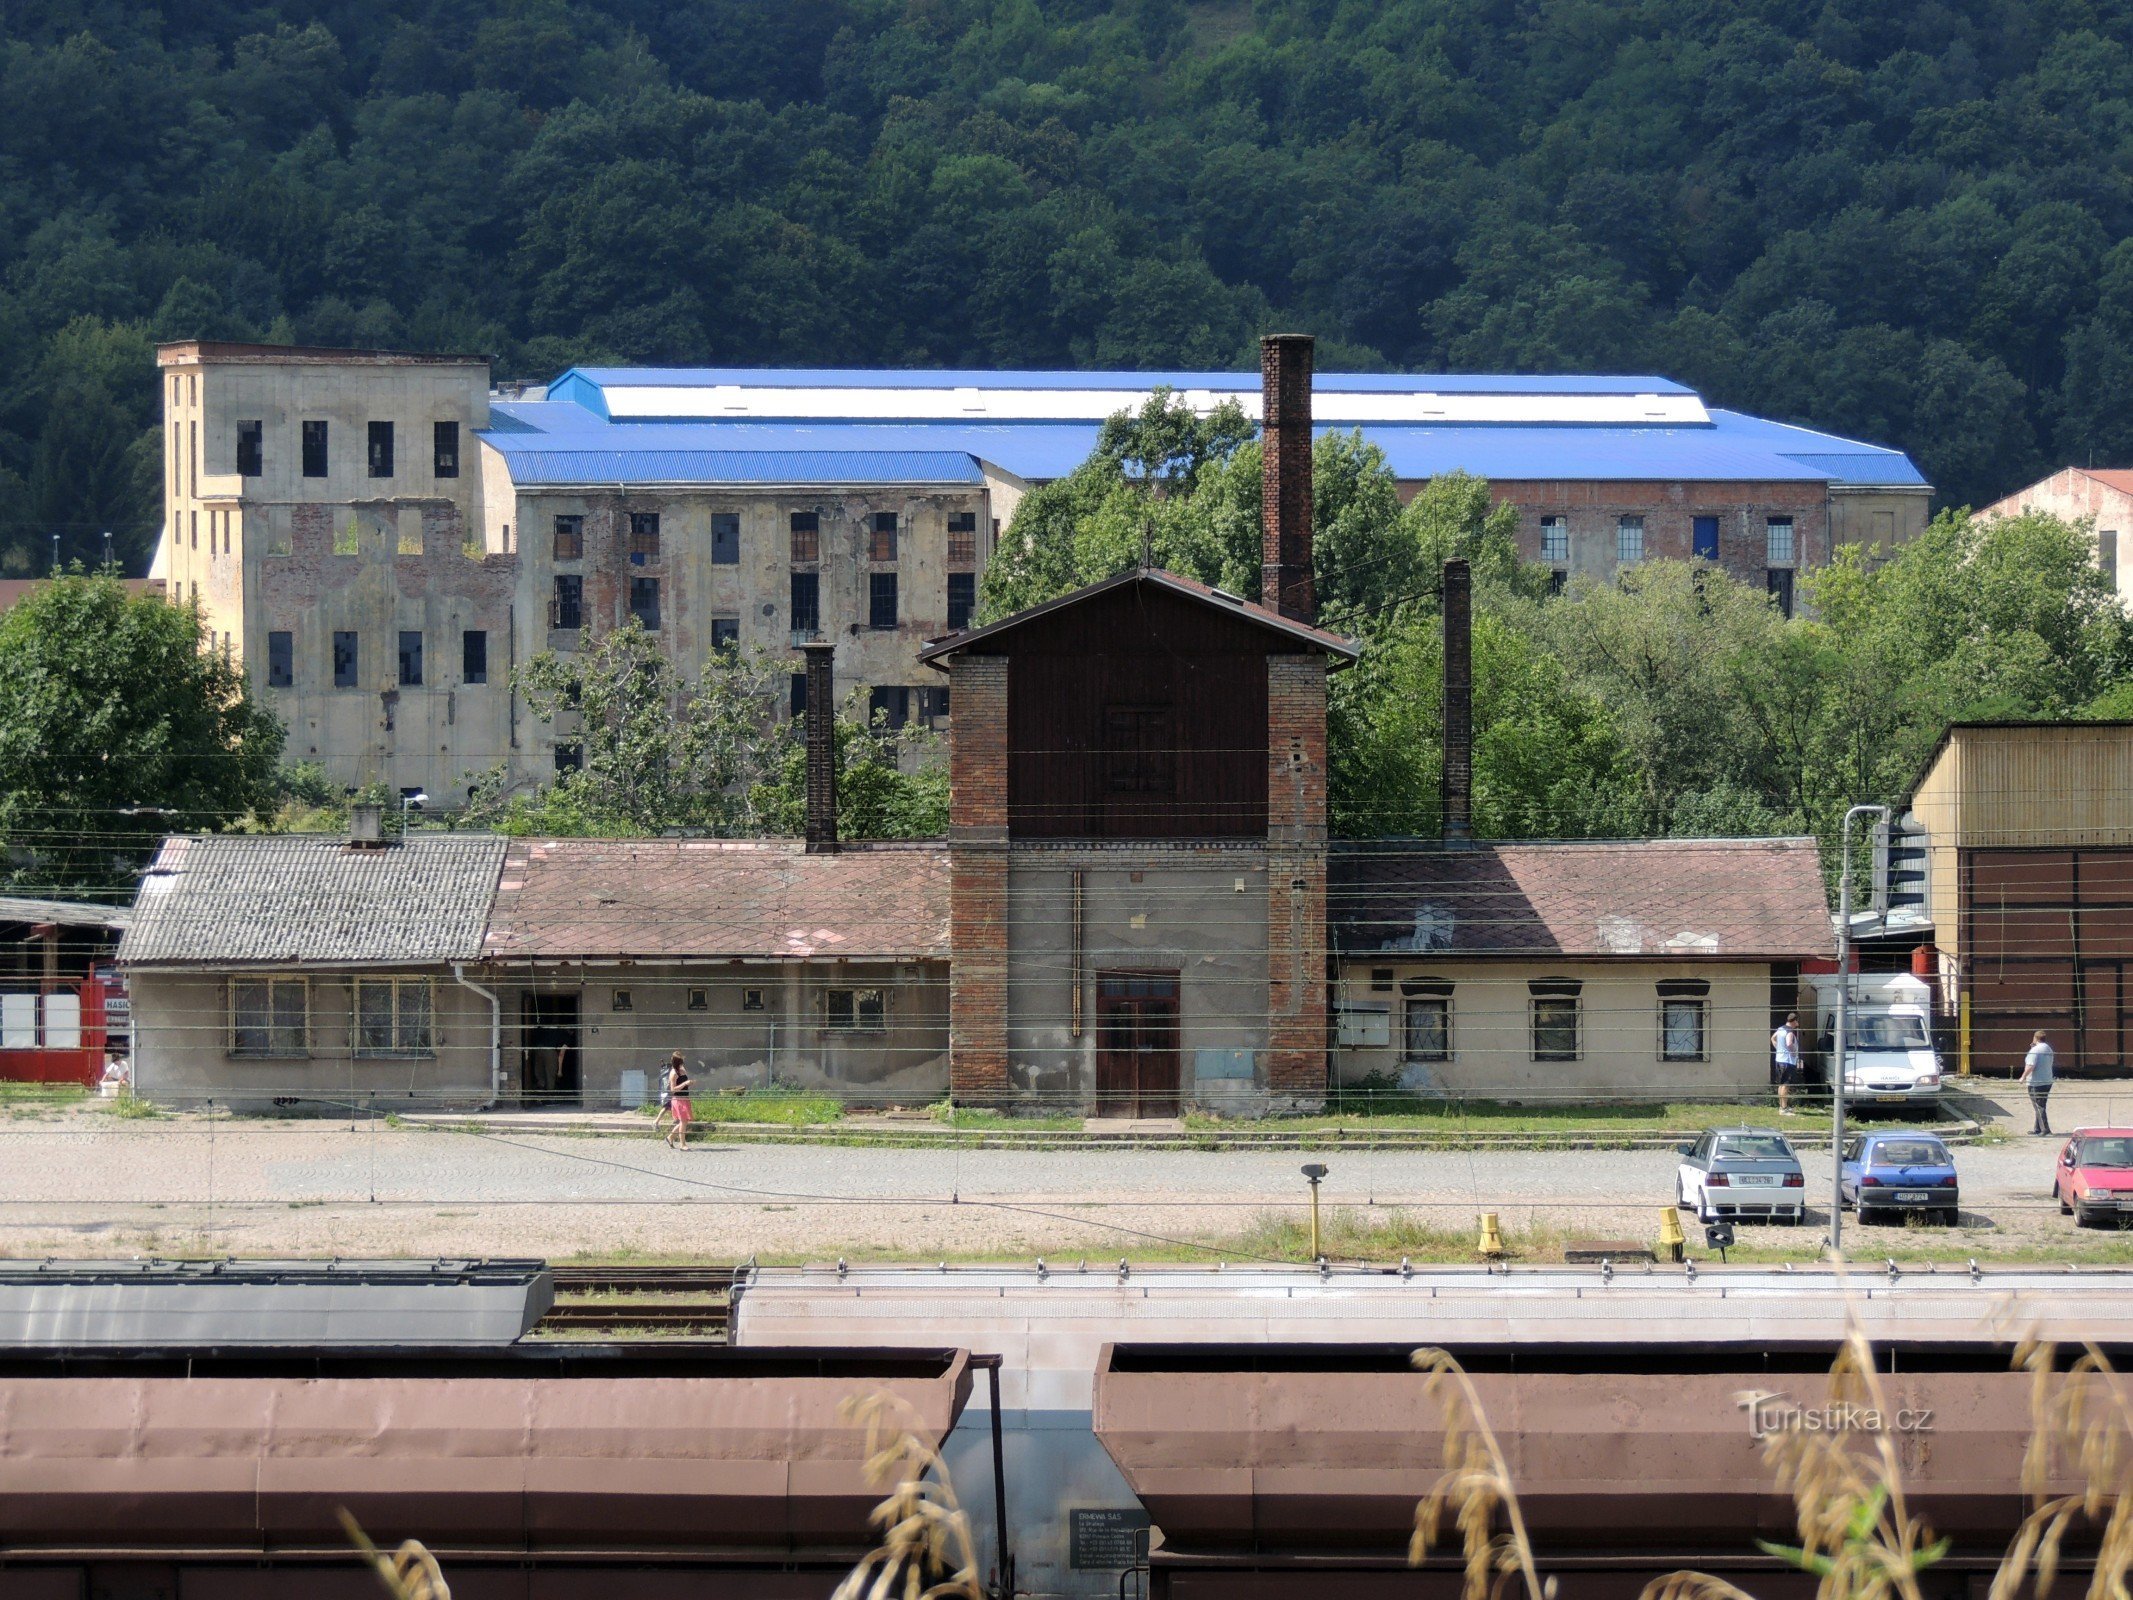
[
  {"x": 854, "y": 1010},
  {"x": 269, "y": 1017},
  {"x": 725, "y": 539},
  {"x": 1777, "y": 539},
  {"x": 1703, "y": 535},
  {"x": 569, "y": 758},
  {"x": 1428, "y": 1035},
  {"x": 570, "y": 538},
  {"x": 726, "y": 633},
  {"x": 381, "y": 449},
  {"x": 881, "y": 537},
  {"x": 281, "y": 660},
  {"x": 567, "y": 608},
  {"x": 1558, "y": 581},
  {"x": 962, "y": 600},
  {"x": 888, "y": 706},
  {"x": 444, "y": 449},
  {"x": 644, "y": 602},
  {"x": 410, "y": 659},
  {"x": 1778, "y": 580},
  {"x": 753, "y": 1000},
  {"x": 474, "y": 656},
  {"x": 1556, "y": 1018},
  {"x": 932, "y": 705},
  {"x": 393, "y": 1017},
  {"x": 1629, "y": 541},
  {"x": 344, "y": 659},
  {"x": 806, "y": 604},
  {"x": 962, "y": 539},
  {"x": 644, "y": 537},
  {"x": 806, "y": 536},
  {"x": 881, "y": 599},
  {"x": 194, "y": 535},
  {"x": 1555, "y": 538},
  {"x": 699, "y": 999},
  {"x": 1137, "y": 750},
  {"x": 314, "y": 449},
  {"x": 1684, "y": 1017},
  {"x": 251, "y": 449},
  {"x": 799, "y": 694},
  {"x": 2107, "y": 555}
]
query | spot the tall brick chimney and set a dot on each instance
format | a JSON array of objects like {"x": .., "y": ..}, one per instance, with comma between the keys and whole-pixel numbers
[
  {"x": 1285, "y": 475},
  {"x": 1457, "y": 783},
  {"x": 821, "y": 746}
]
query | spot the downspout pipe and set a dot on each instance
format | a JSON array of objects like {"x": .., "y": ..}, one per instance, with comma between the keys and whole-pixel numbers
[{"x": 496, "y": 1030}]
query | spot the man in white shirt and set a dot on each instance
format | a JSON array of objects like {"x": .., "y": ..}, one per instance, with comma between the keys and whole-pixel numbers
[
  {"x": 2037, "y": 1074},
  {"x": 1785, "y": 1047}
]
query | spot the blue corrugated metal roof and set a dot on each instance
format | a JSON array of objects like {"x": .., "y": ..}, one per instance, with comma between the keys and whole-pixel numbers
[
  {"x": 737, "y": 466},
  {"x": 934, "y": 378}
]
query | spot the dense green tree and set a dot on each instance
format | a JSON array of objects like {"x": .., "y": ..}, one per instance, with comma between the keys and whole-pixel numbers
[{"x": 117, "y": 726}]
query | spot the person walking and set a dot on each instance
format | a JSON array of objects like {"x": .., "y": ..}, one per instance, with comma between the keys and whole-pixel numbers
[
  {"x": 678, "y": 1085},
  {"x": 1785, "y": 1048},
  {"x": 2037, "y": 1074}
]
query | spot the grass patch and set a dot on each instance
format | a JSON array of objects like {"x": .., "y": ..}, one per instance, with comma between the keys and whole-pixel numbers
[
  {"x": 792, "y": 1108},
  {"x": 1377, "y": 1110},
  {"x": 128, "y": 1106}
]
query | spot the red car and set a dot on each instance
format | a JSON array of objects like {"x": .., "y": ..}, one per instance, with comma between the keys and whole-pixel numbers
[{"x": 2094, "y": 1179}]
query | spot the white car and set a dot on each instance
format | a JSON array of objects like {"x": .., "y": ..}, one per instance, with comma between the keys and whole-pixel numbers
[{"x": 1738, "y": 1173}]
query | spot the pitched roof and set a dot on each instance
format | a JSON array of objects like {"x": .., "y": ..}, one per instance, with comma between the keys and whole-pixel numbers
[
  {"x": 1221, "y": 599},
  {"x": 718, "y": 898},
  {"x": 239, "y": 899},
  {"x": 1709, "y": 899},
  {"x": 2118, "y": 478}
]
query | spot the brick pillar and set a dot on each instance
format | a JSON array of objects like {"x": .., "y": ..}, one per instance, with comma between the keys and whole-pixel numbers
[
  {"x": 1285, "y": 583},
  {"x": 977, "y": 848},
  {"x": 821, "y": 718},
  {"x": 1296, "y": 879}
]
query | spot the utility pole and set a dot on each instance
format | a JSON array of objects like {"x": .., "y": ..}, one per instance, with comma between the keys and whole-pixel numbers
[{"x": 1841, "y": 1047}]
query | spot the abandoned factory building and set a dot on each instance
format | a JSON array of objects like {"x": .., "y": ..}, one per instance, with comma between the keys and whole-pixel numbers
[
  {"x": 1131, "y": 915},
  {"x": 383, "y": 538}
]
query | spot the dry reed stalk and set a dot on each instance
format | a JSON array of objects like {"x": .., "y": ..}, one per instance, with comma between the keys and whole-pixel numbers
[
  {"x": 1475, "y": 1487},
  {"x": 2084, "y": 1429},
  {"x": 409, "y": 1573},
  {"x": 923, "y": 1528}
]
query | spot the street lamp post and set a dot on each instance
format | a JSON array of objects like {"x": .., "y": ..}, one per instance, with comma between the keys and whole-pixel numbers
[{"x": 1842, "y": 1042}]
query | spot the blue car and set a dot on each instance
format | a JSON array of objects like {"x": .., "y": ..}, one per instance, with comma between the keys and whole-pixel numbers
[{"x": 1894, "y": 1174}]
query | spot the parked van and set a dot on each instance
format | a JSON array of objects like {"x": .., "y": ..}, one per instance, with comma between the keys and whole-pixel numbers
[{"x": 1890, "y": 1020}]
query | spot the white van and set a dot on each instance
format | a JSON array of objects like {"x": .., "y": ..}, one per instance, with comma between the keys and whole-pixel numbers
[{"x": 1890, "y": 1020}]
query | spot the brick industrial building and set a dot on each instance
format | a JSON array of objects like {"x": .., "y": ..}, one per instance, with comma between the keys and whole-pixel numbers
[
  {"x": 1130, "y": 915},
  {"x": 384, "y": 540}
]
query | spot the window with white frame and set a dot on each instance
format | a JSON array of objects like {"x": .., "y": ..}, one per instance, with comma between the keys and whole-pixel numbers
[
  {"x": 855, "y": 1010},
  {"x": 269, "y": 1017},
  {"x": 1557, "y": 1016},
  {"x": 1555, "y": 538},
  {"x": 1684, "y": 1020},
  {"x": 1426, "y": 1022},
  {"x": 1778, "y": 542},
  {"x": 1629, "y": 541},
  {"x": 392, "y": 1017}
]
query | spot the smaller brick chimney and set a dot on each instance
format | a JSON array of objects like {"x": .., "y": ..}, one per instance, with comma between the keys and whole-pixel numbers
[
  {"x": 1457, "y": 782},
  {"x": 821, "y": 717},
  {"x": 1285, "y": 475}
]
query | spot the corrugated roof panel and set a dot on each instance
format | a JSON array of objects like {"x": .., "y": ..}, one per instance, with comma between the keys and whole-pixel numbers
[
  {"x": 309, "y": 898},
  {"x": 737, "y": 466},
  {"x": 1240, "y": 382}
]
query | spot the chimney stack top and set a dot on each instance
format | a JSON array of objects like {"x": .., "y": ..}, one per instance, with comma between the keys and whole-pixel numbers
[
  {"x": 1285, "y": 583},
  {"x": 821, "y": 732}
]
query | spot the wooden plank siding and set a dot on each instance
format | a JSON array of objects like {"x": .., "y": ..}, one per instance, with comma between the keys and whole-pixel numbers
[{"x": 1139, "y": 664}]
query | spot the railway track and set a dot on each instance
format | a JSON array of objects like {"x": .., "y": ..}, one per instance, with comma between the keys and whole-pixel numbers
[{"x": 656, "y": 1302}]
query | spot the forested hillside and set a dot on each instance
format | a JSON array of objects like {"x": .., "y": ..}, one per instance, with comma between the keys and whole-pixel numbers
[{"x": 1906, "y": 221}]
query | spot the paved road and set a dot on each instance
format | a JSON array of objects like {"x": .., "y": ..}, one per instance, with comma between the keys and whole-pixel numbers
[{"x": 91, "y": 1185}]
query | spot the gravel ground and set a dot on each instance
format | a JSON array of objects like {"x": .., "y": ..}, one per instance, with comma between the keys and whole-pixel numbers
[{"x": 87, "y": 1184}]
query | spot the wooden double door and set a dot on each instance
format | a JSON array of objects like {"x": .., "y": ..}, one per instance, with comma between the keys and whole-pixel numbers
[{"x": 1137, "y": 1065}]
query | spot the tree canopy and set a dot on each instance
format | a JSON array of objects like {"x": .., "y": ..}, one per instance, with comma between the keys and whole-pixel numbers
[
  {"x": 1908, "y": 222},
  {"x": 118, "y": 725}
]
